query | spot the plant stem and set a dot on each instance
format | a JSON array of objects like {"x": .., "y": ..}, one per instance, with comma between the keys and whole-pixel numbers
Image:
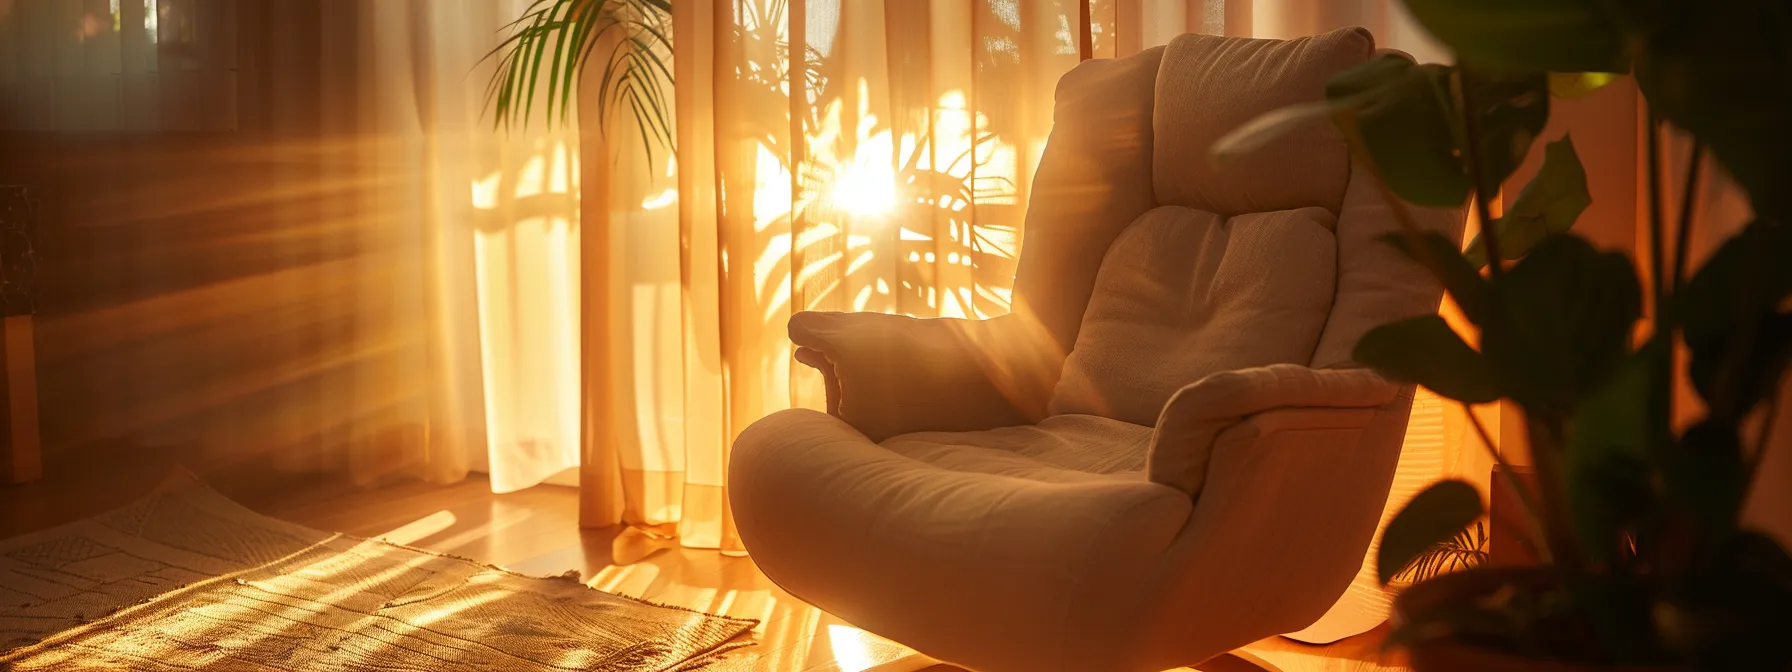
[
  {"x": 1525, "y": 497},
  {"x": 1660, "y": 399},
  {"x": 1472, "y": 151},
  {"x": 1547, "y": 434},
  {"x": 1752, "y": 461},
  {"x": 1657, "y": 283},
  {"x": 1689, "y": 196}
]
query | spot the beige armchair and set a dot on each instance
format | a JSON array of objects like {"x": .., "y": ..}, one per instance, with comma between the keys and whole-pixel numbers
[{"x": 1164, "y": 452}]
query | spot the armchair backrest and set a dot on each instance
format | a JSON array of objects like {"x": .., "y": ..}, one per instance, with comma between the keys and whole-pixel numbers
[
  {"x": 1209, "y": 85},
  {"x": 1132, "y": 135},
  {"x": 1129, "y": 151},
  {"x": 1377, "y": 284},
  {"x": 1093, "y": 180}
]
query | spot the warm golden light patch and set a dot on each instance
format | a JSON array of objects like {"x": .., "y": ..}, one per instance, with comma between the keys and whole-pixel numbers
[{"x": 411, "y": 532}]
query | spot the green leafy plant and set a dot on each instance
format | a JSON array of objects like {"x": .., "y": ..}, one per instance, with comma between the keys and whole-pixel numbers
[
  {"x": 1646, "y": 561},
  {"x": 554, "y": 41}
]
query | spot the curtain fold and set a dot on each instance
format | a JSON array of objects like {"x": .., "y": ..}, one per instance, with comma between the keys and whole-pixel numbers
[{"x": 466, "y": 253}]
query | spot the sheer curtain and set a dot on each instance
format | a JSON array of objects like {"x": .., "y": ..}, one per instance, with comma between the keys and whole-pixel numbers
[
  {"x": 886, "y": 169},
  {"x": 469, "y": 245}
]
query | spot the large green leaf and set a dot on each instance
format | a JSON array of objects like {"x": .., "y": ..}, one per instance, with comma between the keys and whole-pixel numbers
[
  {"x": 1526, "y": 35},
  {"x": 1403, "y": 112},
  {"x": 1438, "y": 255},
  {"x": 1723, "y": 70},
  {"x": 1569, "y": 312},
  {"x": 1550, "y": 204},
  {"x": 1433, "y": 516},
  {"x": 1730, "y": 318},
  {"x": 1426, "y": 351},
  {"x": 1510, "y": 110},
  {"x": 1741, "y": 368},
  {"x": 1750, "y": 274},
  {"x": 1414, "y": 130}
]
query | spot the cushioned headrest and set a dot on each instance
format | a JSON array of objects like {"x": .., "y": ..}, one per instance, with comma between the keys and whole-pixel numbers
[{"x": 1209, "y": 85}]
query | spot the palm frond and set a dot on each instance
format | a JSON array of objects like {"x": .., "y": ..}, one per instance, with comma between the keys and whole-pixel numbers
[
  {"x": 1467, "y": 549},
  {"x": 554, "y": 41}
]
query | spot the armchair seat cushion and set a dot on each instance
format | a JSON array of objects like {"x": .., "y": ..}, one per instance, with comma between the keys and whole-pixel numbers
[
  {"x": 1060, "y": 449},
  {"x": 997, "y": 562}
]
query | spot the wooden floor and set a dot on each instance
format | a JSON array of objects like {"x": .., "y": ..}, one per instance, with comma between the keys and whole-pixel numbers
[{"x": 536, "y": 532}]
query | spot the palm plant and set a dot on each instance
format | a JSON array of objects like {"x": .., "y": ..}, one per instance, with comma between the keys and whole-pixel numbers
[
  {"x": 554, "y": 41},
  {"x": 1467, "y": 549}
]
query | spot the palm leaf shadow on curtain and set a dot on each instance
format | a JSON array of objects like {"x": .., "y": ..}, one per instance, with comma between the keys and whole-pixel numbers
[{"x": 864, "y": 176}]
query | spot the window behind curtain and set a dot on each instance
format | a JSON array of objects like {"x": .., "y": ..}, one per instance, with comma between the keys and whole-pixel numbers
[{"x": 117, "y": 65}]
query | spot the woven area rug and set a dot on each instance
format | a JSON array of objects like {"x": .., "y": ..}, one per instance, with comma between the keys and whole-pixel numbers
[{"x": 185, "y": 579}]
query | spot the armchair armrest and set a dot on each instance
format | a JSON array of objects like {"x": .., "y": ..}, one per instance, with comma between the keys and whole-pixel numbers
[
  {"x": 891, "y": 374},
  {"x": 1182, "y": 446}
]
